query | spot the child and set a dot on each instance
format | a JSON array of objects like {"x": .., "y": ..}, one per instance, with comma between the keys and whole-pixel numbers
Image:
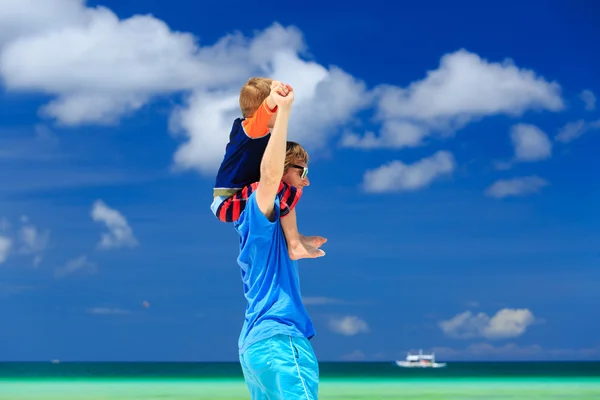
[{"x": 239, "y": 172}]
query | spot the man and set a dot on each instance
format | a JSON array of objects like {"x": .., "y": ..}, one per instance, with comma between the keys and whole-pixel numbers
[{"x": 277, "y": 359}]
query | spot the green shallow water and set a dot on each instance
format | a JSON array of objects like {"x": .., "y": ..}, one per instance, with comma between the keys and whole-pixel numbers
[
  {"x": 358, "y": 381},
  {"x": 330, "y": 389}
]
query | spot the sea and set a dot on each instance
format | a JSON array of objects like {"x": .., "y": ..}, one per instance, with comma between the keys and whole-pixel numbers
[{"x": 353, "y": 380}]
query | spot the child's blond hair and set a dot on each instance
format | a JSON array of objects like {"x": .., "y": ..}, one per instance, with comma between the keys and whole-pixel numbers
[{"x": 253, "y": 93}]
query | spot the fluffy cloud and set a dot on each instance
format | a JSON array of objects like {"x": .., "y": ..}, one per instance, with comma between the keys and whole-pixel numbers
[
  {"x": 530, "y": 143},
  {"x": 397, "y": 176},
  {"x": 33, "y": 240},
  {"x": 99, "y": 68},
  {"x": 516, "y": 186},
  {"x": 574, "y": 130},
  {"x": 393, "y": 134},
  {"x": 27, "y": 240},
  {"x": 23, "y": 18},
  {"x": 506, "y": 323},
  {"x": 324, "y": 100},
  {"x": 78, "y": 264},
  {"x": 588, "y": 98},
  {"x": 119, "y": 232},
  {"x": 348, "y": 326},
  {"x": 464, "y": 88}
]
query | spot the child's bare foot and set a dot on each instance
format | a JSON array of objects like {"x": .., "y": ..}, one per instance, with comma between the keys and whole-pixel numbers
[
  {"x": 314, "y": 241},
  {"x": 300, "y": 249}
]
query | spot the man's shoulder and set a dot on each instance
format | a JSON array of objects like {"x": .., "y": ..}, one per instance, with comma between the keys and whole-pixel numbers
[{"x": 253, "y": 221}]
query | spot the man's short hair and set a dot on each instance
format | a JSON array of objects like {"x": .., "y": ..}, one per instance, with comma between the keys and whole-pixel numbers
[
  {"x": 294, "y": 153},
  {"x": 253, "y": 93}
]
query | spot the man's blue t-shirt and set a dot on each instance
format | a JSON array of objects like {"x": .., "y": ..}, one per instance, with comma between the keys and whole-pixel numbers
[{"x": 270, "y": 278}]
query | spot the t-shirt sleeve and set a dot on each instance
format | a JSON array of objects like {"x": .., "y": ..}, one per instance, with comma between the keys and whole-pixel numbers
[
  {"x": 254, "y": 227},
  {"x": 257, "y": 125}
]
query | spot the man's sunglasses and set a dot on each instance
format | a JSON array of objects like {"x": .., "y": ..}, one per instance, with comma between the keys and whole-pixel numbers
[{"x": 304, "y": 170}]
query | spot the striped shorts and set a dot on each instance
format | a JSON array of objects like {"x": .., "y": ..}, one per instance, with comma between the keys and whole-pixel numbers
[
  {"x": 228, "y": 209},
  {"x": 281, "y": 367}
]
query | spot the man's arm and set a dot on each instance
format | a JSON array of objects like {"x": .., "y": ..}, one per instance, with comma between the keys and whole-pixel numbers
[{"x": 273, "y": 161}]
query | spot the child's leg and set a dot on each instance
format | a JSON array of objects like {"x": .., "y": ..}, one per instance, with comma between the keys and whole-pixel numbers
[
  {"x": 228, "y": 209},
  {"x": 298, "y": 247}
]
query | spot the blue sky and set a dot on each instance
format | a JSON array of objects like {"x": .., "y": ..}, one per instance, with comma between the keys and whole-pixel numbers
[{"x": 453, "y": 169}]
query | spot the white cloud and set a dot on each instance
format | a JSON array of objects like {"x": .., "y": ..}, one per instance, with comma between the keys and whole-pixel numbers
[
  {"x": 393, "y": 134},
  {"x": 33, "y": 241},
  {"x": 530, "y": 143},
  {"x": 205, "y": 122},
  {"x": 100, "y": 68},
  {"x": 397, "y": 176},
  {"x": 587, "y": 96},
  {"x": 108, "y": 311},
  {"x": 325, "y": 99},
  {"x": 5, "y": 246},
  {"x": 348, "y": 326},
  {"x": 464, "y": 88},
  {"x": 509, "y": 323},
  {"x": 75, "y": 265},
  {"x": 119, "y": 233},
  {"x": 574, "y": 130},
  {"x": 23, "y": 18},
  {"x": 506, "y": 323},
  {"x": 516, "y": 187},
  {"x": 28, "y": 240}
]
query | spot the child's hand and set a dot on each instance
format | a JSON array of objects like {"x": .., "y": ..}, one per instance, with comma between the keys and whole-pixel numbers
[
  {"x": 276, "y": 87},
  {"x": 283, "y": 101},
  {"x": 280, "y": 88}
]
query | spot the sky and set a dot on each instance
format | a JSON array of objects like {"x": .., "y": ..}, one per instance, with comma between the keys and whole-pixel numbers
[{"x": 453, "y": 170}]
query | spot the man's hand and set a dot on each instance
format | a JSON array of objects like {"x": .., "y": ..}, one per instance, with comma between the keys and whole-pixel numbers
[
  {"x": 283, "y": 101},
  {"x": 276, "y": 87},
  {"x": 279, "y": 87}
]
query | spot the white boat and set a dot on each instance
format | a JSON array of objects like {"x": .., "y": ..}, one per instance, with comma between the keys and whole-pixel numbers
[{"x": 420, "y": 361}]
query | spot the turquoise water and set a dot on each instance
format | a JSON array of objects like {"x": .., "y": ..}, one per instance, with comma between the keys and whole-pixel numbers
[{"x": 179, "y": 381}]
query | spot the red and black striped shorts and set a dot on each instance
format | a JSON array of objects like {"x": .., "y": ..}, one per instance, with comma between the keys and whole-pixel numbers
[{"x": 231, "y": 208}]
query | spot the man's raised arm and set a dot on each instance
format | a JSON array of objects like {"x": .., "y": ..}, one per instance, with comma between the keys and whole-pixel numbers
[{"x": 273, "y": 161}]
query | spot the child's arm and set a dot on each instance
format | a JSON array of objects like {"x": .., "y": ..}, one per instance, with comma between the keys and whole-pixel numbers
[{"x": 257, "y": 125}]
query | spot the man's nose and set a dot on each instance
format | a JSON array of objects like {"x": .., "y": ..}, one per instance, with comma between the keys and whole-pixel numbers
[{"x": 306, "y": 181}]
